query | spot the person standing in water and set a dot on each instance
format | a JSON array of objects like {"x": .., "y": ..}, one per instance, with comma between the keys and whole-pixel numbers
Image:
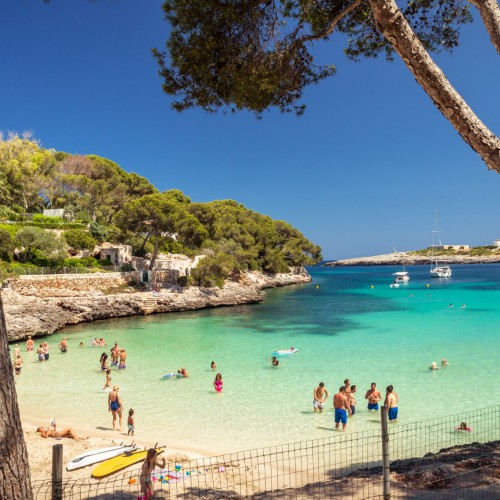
[
  {"x": 107, "y": 384},
  {"x": 320, "y": 394},
  {"x": 63, "y": 345},
  {"x": 18, "y": 364},
  {"x": 218, "y": 382},
  {"x": 30, "y": 344},
  {"x": 373, "y": 396},
  {"x": 391, "y": 401},
  {"x": 213, "y": 365},
  {"x": 104, "y": 362},
  {"x": 351, "y": 399},
  {"x": 341, "y": 408},
  {"x": 41, "y": 353},
  {"x": 46, "y": 348},
  {"x": 130, "y": 423},
  {"x": 123, "y": 358},
  {"x": 115, "y": 406}
]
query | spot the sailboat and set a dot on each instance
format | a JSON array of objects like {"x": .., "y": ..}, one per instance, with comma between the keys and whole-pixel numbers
[{"x": 437, "y": 270}]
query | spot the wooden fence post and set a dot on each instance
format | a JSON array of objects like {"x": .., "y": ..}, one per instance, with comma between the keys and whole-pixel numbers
[
  {"x": 57, "y": 468},
  {"x": 385, "y": 454}
]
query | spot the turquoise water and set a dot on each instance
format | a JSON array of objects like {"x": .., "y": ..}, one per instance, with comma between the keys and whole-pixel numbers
[{"x": 343, "y": 329}]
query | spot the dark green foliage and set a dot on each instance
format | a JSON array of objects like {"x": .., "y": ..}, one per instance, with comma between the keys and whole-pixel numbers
[
  {"x": 45, "y": 219},
  {"x": 35, "y": 243},
  {"x": 99, "y": 232},
  {"x": 213, "y": 270},
  {"x": 256, "y": 55},
  {"x": 6, "y": 245},
  {"x": 79, "y": 240}
]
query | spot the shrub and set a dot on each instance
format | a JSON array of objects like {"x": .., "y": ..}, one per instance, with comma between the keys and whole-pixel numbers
[
  {"x": 79, "y": 240},
  {"x": 40, "y": 218},
  {"x": 99, "y": 232}
]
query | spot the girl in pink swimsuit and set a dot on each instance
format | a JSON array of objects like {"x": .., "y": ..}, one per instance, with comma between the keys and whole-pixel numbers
[{"x": 218, "y": 382}]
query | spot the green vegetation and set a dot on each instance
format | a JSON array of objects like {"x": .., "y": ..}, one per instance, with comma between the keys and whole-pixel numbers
[{"x": 102, "y": 202}]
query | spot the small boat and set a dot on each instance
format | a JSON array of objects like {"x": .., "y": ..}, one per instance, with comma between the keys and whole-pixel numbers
[
  {"x": 401, "y": 277},
  {"x": 437, "y": 270},
  {"x": 285, "y": 352}
]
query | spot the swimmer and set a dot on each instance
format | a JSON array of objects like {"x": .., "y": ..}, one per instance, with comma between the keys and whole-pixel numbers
[
  {"x": 434, "y": 366},
  {"x": 218, "y": 382},
  {"x": 351, "y": 399},
  {"x": 101, "y": 342},
  {"x": 123, "y": 358},
  {"x": 95, "y": 341},
  {"x": 46, "y": 348},
  {"x": 107, "y": 384},
  {"x": 462, "y": 306},
  {"x": 18, "y": 364},
  {"x": 41, "y": 353},
  {"x": 63, "y": 345},
  {"x": 444, "y": 362},
  {"x": 30, "y": 344},
  {"x": 275, "y": 361},
  {"x": 80, "y": 344},
  {"x": 182, "y": 373},
  {"x": 320, "y": 395},
  {"x": 213, "y": 365},
  {"x": 391, "y": 401},
  {"x": 373, "y": 396},
  {"x": 463, "y": 427},
  {"x": 341, "y": 408}
]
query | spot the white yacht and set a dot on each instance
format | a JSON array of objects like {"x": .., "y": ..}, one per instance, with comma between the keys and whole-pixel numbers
[
  {"x": 401, "y": 277},
  {"x": 437, "y": 270}
]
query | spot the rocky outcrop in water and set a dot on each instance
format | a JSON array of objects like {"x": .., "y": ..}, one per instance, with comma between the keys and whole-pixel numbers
[
  {"x": 409, "y": 259},
  {"x": 42, "y": 306}
]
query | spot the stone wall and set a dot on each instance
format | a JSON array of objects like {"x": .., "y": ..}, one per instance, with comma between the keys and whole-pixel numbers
[{"x": 70, "y": 285}]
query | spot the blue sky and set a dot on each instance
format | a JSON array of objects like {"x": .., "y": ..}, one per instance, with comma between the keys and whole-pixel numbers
[{"x": 359, "y": 174}]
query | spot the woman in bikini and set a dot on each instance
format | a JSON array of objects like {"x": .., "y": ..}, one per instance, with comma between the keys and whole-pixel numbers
[
  {"x": 115, "y": 406},
  {"x": 218, "y": 382},
  {"x": 147, "y": 468},
  {"x": 65, "y": 433}
]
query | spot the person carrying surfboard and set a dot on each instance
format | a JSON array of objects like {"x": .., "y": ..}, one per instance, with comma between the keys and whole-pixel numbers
[{"x": 147, "y": 468}]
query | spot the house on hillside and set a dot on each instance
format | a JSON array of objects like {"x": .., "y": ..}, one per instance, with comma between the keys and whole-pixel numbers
[
  {"x": 118, "y": 255},
  {"x": 53, "y": 212},
  {"x": 452, "y": 247},
  {"x": 496, "y": 243}
]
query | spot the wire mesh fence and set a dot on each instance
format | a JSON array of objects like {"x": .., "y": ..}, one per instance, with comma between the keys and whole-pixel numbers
[{"x": 429, "y": 459}]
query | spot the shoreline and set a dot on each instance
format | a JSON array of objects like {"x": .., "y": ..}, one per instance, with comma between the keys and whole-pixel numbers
[
  {"x": 40, "y": 307},
  {"x": 411, "y": 259}
]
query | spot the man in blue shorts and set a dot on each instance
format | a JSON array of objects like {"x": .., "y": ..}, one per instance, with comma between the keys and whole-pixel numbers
[
  {"x": 341, "y": 406},
  {"x": 373, "y": 396},
  {"x": 391, "y": 401}
]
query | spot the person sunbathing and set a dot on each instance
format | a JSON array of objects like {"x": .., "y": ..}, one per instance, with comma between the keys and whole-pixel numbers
[{"x": 64, "y": 433}]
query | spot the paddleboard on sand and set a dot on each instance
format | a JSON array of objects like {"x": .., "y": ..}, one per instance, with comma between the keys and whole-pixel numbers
[
  {"x": 121, "y": 462},
  {"x": 95, "y": 456}
]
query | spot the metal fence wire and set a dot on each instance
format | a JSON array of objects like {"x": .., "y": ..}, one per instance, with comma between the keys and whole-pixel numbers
[{"x": 426, "y": 460}]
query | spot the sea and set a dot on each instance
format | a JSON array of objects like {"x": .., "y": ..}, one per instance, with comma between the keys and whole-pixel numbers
[{"x": 347, "y": 323}]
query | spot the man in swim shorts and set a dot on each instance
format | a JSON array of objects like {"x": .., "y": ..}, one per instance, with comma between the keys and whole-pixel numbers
[
  {"x": 319, "y": 397},
  {"x": 391, "y": 401},
  {"x": 347, "y": 385},
  {"x": 351, "y": 399},
  {"x": 341, "y": 408},
  {"x": 63, "y": 345},
  {"x": 123, "y": 358},
  {"x": 373, "y": 396}
]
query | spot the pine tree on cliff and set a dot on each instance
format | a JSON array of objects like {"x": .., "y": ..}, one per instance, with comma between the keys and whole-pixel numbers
[
  {"x": 256, "y": 54},
  {"x": 15, "y": 479}
]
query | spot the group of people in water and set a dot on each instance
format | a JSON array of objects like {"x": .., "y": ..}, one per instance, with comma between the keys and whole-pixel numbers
[
  {"x": 344, "y": 401},
  {"x": 434, "y": 365},
  {"x": 118, "y": 358}
]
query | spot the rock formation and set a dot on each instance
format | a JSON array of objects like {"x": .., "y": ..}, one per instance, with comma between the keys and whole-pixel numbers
[{"x": 41, "y": 305}]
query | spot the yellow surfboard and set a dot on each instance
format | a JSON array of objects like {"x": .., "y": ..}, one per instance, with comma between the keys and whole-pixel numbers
[{"x": 120, "y": 462}]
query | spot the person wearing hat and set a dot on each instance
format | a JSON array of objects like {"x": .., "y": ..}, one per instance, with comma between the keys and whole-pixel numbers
[{"x": 115, "y": 406}]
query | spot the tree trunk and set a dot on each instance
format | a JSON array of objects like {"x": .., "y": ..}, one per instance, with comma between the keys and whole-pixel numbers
[
  {"x": 15, "y": 480},
  {"x": 395, "y": 28},
  {"x": 490, "y": 14}
]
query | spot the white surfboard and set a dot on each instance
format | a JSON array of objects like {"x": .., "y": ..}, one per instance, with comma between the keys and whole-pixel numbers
[{"x": 99, "y": 455}]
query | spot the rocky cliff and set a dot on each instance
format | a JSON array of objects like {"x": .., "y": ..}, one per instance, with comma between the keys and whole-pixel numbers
[{"x": 42, "y": 305}]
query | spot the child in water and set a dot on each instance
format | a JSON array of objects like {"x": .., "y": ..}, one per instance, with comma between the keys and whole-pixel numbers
[
  {"x": 218, "y": 382},
  {"x": 463, "y": 427},
  {"x": 130, "y": 422}
]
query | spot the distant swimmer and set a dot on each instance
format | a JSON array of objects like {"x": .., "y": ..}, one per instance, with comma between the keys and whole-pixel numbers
[
  {"x": 123, "y": 358},
  {"x": 320, "y": 395},
  {"x": 451, "y": 305},
  {"x": 391, "y": 401},
  {"x": 30, "y": 344},
  {"x": 275, "y": 361},
  {"x": 107, "y": 384},
  {"x": 104, "y": 361},
  {"x": 213, "y": 365},
  {"x": 182, "y": 373},
  {"x": 341, "y": 407},
  {"x": 444, "y": 362},
  {"x": 463, "y": 306},
  {"x": 463, "y": 427},
  {"x": 63, "y": 345},
  {"x": 434, "y": 366},
  {"x": 218, "y": 382},
  {"x": 373, "y": 396}
]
